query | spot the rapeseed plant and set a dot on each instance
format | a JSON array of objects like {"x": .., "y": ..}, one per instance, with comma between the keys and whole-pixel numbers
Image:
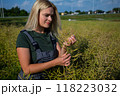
[{"x": 95, "y": 56}]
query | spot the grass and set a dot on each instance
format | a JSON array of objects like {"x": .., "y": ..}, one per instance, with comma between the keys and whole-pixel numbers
[
  {"x": 95, "y": 56},
  {"x": 92, "y": 17}
]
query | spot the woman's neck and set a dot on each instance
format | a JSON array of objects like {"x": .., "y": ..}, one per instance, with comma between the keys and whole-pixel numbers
[{"x": 39, "y": 30}]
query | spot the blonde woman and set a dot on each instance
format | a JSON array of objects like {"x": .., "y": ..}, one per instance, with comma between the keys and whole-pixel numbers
[{"x": 37, "y": 47}]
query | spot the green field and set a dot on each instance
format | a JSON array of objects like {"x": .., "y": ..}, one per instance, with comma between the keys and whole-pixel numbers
[
  {"x": 110, "y": 17},
  {"x": 95, "y": 56}
]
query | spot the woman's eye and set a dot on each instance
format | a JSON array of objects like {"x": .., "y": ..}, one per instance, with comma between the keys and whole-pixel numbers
[{"x": 46, "y": 15}]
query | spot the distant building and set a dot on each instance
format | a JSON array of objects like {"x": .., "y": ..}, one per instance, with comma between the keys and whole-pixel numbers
[
  {"x": 114, "y": 12},
  {"x": 104, "y": 12},
  {"x": 76, "y": 13},
  {"x": 88, "y": 12},
  {"x": 72, "y": 14},
  {"x": 62, "y": 13}
]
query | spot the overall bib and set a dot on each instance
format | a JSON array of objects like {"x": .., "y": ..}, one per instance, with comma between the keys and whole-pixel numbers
[{"x": 41, "y": 58}]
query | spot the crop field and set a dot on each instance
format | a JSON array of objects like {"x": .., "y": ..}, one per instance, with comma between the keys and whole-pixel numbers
[{"x": 95, "y": 55}]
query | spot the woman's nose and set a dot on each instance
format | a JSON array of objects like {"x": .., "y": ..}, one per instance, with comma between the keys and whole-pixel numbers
[{"x": 50, "y": 18}]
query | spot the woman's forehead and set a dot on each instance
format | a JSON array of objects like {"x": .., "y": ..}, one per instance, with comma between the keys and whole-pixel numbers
[{"x": 48, "y": 10}]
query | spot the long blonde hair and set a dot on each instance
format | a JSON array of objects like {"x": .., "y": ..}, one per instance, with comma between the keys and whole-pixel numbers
[{"x": 32, "y": 22}]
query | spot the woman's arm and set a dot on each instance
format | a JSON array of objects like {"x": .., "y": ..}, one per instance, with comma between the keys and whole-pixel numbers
[
  {"x": 63, "y": 58},
  {"x": 24, "y": 58}
]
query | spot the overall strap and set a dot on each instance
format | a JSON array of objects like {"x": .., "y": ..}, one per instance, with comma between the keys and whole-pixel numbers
[
  {"x": 35, "y": 45},
  {"x": 33, "y": 42},
  {"x": 53, "y": 41}
]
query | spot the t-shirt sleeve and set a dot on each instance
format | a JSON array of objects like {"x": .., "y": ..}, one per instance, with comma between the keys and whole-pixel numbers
[{"x": 22, "y": 41}]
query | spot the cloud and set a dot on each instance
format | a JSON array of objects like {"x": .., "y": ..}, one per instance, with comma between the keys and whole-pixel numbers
[
  {"x": 80, "y": 3},
  {"x": 25, "y": 3},
  {"x": 76, "y": 3},
  {"x": 59, "y": 4},
  {"x": 16, "y": 5}
]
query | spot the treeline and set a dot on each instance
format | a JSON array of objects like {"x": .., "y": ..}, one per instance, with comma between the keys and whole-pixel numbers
[
  {"x": 114, "y": 10},
  {"x": 14, "y": 11}
]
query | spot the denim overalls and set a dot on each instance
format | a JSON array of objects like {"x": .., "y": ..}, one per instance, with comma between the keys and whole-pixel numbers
[{"x": 41, "y": 58}]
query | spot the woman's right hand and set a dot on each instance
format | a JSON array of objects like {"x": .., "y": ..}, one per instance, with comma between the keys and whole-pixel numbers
[
  {"x": 64, "y": 60},
  {"x": 70, "y": 41}
]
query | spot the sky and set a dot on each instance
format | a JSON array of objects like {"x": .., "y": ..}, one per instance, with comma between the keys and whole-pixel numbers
[{"x": 65, "y": 5}]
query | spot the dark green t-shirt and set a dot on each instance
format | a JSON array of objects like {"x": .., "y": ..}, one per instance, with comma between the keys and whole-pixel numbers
[{"x": 43, "y": 40}]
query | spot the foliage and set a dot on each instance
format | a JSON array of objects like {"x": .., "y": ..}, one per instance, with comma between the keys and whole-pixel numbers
[
  {"x": 95, "y": 56},
  {"x": 99, "y": 11},
  {"x": 66, "y": 12},
  {"x": 78, "y": 11},
  {"x": 117, "y": 10},
  {"x": 14, "y": 11},
  {"x": 9, "y": 65}
]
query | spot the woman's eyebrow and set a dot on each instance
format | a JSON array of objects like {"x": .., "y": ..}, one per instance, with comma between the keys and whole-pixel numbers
[{"x": 47, "y": 14}]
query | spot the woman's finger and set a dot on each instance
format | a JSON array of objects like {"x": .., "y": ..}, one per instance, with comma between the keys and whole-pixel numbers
[
  {"x": 66, "y": 56},
  {"x": 67, "y": 59},
  {"x": 67, "y": 64},
  {"x": 73, "y": 39}
]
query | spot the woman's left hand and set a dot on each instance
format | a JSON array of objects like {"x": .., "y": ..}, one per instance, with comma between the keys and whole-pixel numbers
[{"x": 70, "y": 41}]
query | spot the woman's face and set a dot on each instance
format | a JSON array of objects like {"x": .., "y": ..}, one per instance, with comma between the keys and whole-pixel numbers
[{"x": 45, "y": 17}]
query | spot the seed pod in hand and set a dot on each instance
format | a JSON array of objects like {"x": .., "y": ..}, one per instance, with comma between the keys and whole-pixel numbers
[{"x": 69, "y": 41}]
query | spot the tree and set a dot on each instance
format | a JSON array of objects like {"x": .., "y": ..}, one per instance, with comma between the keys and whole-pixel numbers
[
  {"x": 15, "y": 11},
  {"x": 66, "y": 12},
  {"x": 83, "y": 12},
  {"x": 78, "y": 11},
  {"x": 108, "y": 12},
  {"x": 99, "y": 11},
  {"x": 117, "y": 10},
  {"x": 70, "y": 12},
  {"x": 23, "y": 13},
  {"x": 90, "y": 11}
]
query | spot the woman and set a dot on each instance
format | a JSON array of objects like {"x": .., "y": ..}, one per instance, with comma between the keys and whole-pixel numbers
[{"x": 37, "y": 47}]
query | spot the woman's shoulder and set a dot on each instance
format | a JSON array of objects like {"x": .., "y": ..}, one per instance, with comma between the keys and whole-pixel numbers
[
  {"x": 23, "y": 35},
  {"x": 22, "y": 32},
  {"x": 22, "y": 39}
]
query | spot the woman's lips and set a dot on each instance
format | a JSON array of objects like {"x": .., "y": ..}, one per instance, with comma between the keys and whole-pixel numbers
[{"x": 48, "y": 23}]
